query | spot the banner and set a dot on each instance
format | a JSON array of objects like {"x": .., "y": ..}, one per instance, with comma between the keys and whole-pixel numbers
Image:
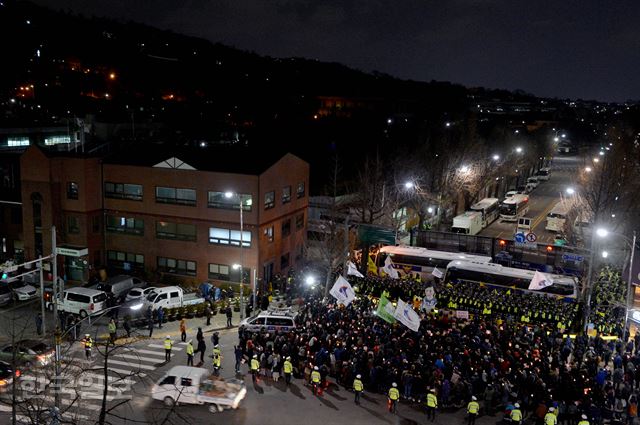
[
  {"x": 342, "y": 291},
  {"x": 540, "y": 281},
  {"x": 352, "y": 270},
  {"x": 389, "y": 269},
  {"x": 437, "y": 273},
  {"x": 386, "y": 310},
  {"x": 405, "y": 315},
  {"x": 429, "y": 300}
]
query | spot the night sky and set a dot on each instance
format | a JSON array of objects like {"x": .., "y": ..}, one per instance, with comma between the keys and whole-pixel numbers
[{"x": 579, "y": 49}]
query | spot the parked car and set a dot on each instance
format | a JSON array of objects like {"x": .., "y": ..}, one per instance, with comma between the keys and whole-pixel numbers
[
  {"x": 543, "y": 173},
  {"x": 30, "y": 352},
  {"x": 119, "y": 286},
  {"x": 533, "y": 181},
  {"x": 510, "y": 193},
  {"x": 23, "y": 291},
  {"x": 81, "y": 301},
  {"x": 139, "y": 293}
]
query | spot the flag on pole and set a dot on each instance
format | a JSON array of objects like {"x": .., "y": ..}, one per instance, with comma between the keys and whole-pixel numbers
[
  {"x": 437, "y": 273},
  {"x": 386, "y": 310},
  {"x": 540, "y": 281},
  {"x": 352, "y": 270},
  {"x": 371, "y": 266},
  {"x": 389, "y": 269},
  {"x": 342, "y": 291},
  {"x": 407, "y": 316}
]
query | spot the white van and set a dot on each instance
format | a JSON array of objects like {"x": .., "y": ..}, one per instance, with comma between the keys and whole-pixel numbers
[
  {"x": 271, "y": 320},
  {"x": 81, "y": 301},
  {"x": 524, "y": 224}
]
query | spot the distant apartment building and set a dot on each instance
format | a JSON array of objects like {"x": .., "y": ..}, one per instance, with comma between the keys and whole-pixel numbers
[{"x": 168, "y": 212}]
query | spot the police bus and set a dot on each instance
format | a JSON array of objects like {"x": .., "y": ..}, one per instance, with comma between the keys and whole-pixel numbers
[
  {"x": 489, "y": 208},
  {"x": 514, "y": 207},
  {"x": 412, "y": 260},
  {"x": 492, "y": 274},
  {"x": 557, "y": 217}
]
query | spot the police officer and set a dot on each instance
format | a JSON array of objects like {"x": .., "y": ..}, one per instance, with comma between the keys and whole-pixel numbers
[
  {"x": 432, "y": 404},
  {"x": 516, "y": 415},
  {"x": 472, "y": 409},
  {"x": 190, "y": 353},
  {"x": 88, "y": 343},
  {"x": 584, "y": 420},
  {"x": 394, "y": 396},
  {"x": 315, "y": 380},
  {"x": 217, "y": 360},
  {"x": 168, "y": 345},
  {"x": 550, "y": 418},
  {"x": 287, "y": 368},
  {"x": 358, "y": 388},
  {"x": 255, "y": 367},
  {"x": 112, "y": 330}
]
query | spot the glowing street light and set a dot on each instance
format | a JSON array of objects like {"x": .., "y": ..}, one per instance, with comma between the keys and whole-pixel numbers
[
  {"x": 496, "y": 157},
  {"x": 519, "y": 149},
  {"x": 464, "y": 169},
  {"x": 570, "y": 191},
  {"x": 587, "y": 169},
  {"x": 596, "y": 160},
  {"x": 430, "y": 210},
  {"x": 602, "y": 232},
  {"x": 310, "y": 280},
  {"x": 447, "y": 124},
  {"x": 601, "y": 153},
  {"x": 556, "y": 139},
  {"x": 408, "y": 185},
  {"x": 605, "y": 254}
]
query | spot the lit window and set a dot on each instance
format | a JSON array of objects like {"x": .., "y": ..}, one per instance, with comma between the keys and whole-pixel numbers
[
  {"x": 221, "y": 236},
  {"x": 17, "y": 141},
  {"x": 300, "y": 190},
  {"x": 269, "y": 200},
  {"x": 286, "y": 194},
  {"x": 57, "y": 140}
]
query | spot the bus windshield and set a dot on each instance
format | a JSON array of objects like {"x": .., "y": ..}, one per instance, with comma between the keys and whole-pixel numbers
[
  {"x": 508, "y": 209},
  {"x": 556, "y": 215}
]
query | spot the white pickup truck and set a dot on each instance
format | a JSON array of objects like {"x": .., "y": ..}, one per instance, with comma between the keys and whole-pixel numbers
[{"x": 167, "y": 297}]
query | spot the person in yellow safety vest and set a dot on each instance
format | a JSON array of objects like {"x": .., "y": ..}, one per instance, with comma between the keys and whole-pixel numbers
[
  {"x": 584, "y": 420},
  {"x": 88, "y": 343},
  {"x": 394, "y": 396},
  {"x": 358, "y": 387},
  {"x": 254, "y": 367},
  {"x": 190, "y": 353},
  {"x": 486, "y": 310},
  {"x": 550, "y": 418},
  {"x": 432, "y": 404},
  {"x": 516, "y": 415},
  {"x": 287, "y": 368},
  {"x": 315, "y": 380},
  {"x": 168, "y": 345},
  {"x": 472, "y": 409},
  {"x": 217, "y": 360}
]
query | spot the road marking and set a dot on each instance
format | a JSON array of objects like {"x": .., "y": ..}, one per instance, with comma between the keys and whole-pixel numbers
[
  {"x": 132, "y": 357},
  {"x": 134, "y": 366},
  {"x": 162, "y": 346},
  {"x": 153, "y": 353},
  {"x": 126, "y": 372},
  {"x": 113, "y": 379}
]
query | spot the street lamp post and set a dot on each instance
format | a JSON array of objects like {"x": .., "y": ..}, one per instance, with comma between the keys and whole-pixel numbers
[{"x": 229, "y": 195}]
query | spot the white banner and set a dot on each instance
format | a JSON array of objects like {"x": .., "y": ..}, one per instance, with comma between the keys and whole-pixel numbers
[
  {"x": 540, "y": 281},
  {"x": 352, "y": 270},
  {"x": 437, "y": 273},
  {"x": 404, "y": 313},
  {"x": 389, "y": 269},
  {"x": 342, "y": 291}
]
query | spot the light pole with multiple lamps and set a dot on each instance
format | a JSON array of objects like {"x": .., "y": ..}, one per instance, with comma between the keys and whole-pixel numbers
[{"x": 230, "y": 195}]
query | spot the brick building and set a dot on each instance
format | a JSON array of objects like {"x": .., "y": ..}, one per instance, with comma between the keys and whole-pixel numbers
[{"x": 174, "y": 212}]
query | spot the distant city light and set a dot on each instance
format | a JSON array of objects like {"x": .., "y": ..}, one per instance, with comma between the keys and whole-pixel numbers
[
  {"x": 596, "y": 160},
  {"x": 564, "y": 136},
  {"x": 517, "y": 131},
  {"x": 601, "y": 153},
  {"x": 447, "y": 124},
  {"x": 389, "y": 120}
]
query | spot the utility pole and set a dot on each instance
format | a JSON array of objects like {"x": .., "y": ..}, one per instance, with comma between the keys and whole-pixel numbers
[
  {"x": 44, "y": 328},
  {"x": 54, "y": 270}
]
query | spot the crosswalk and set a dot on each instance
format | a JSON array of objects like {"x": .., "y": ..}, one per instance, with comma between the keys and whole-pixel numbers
[{"x": 82, "y": 383}]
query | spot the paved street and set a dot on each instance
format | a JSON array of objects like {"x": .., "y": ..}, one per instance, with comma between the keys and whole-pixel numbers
[{"x": 541, "y": 201}]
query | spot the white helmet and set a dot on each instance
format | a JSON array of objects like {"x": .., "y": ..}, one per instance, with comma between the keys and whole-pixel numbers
[
  {"x": 473, "y": 398},
  {"x": 358, "y": 376},
  {"x": 255, "y": 356},
  {"x": 551, "y": 409},
  {"x": 517, "y": 406},
  {"x": 315, "y": 368},
  {"x": 216, "y": 346},
  {"x": 394, "y": 385},
  {"x": 584, "y": 417}
]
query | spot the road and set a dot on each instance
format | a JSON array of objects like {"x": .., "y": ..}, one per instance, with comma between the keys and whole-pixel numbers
[{"x": 541, "y": 201}]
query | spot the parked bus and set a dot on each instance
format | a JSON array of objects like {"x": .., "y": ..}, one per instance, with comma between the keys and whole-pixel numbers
[
  {"x": 489, "y": 208},
  {"x": 496, "y": 275},
  {"x": 514, "y": 207},
  {"x": 557, "y": 217},
  {"x": 467, "y": 223},
  {"x": 412, "y": 260}
]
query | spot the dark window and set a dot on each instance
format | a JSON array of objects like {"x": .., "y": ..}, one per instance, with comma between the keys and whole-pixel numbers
[
  {"x": 128, "y": 225},
  {"x": 174, "y": 294},
  {"x": 279, "y": 321},
  {"x": 177, "y": 231},
  {"x": 284, "y": 261},
  {"x": 257, "y": 321},
  {"x": 300, "y": 190},
  {"x": 73, "y": 225},
  {"x": 269, "y": 200},
  {"x": 172, "y": 195},
  {"x": 174, "y": 266},
  {"x": 72, "y": 296},
  {"x": 219, "y": 271},
  {"x": 185, "y": 382},
  {"x": 222, "y": 236},
  {"x": 286, "y": 194},
  {"x": 169, "y": 380},
  {"x": 123, "y": 191},
  {"x": 268, "y": 232},
  {"x": 125, "y": 260},
  {"x": 95, "y": 224},
  {"x": 220, "y": 200},
  {"x": 99, "y": 298},
  {"x": 16, "y": 215},
  {"x": 299, "y": 221},
  {"x": 286, "y": 228},
  {"x": 72, "y": 190}
]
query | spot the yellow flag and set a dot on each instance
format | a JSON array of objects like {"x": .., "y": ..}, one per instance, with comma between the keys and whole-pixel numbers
[
  {"x": 371, "y": 266},
  {"x": 509, "y": 292}
]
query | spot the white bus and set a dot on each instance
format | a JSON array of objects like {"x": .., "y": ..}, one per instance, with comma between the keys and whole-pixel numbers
[
  {"x": 490, "y": 209},
  {"x": 557, "y": 217},
  {"x": 514, "y": 207},
  {"x": 491, "y": 274},
  {"x": 468, "y": 223},
  {"x": 412, "y": 260}
]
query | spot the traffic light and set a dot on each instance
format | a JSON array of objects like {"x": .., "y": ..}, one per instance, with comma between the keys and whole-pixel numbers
[{"x": 4, "y": 275}]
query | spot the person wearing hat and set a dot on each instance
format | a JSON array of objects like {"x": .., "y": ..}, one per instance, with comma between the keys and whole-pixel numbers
[
  {"x": 394, "y": 396},
  {"x": 550, "y": 418},
  {"x": 316, "y": 378},
  {"x": 432, "y": 404},
  {"x": 358, "y": 387},
  {"x": 584, "y": 420},
  {"x": 255, "y": 368},
  {"x": 516, "y": 415},
  {"x": 88, "y": 343},
  {"x": 217, "y": 360},
  {"x": 472, "y": 410},
  {"x": 168, "y": 345},
  {"x": 190, "y": 353},
  {"x": 287, "y": 368}
]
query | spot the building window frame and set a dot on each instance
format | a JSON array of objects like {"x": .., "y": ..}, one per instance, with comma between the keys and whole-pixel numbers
[
  {"x": 229, "y": 237},
  {"x": 285, "y": 227},
  {"x": 177, "y": 266},
  {"x": 164, "y": 231},
  {"x": 269, "y": 232},
  {"x": 218, "y": 200},
  {"x": 73, "y": 225},
  {"x": 286, "y": 194},
  {"x": 130, "y": 191},
  {"x": 299, "y": 221},
  {"x": 178, "y": 197},
  {"x": 117, "y": 259},
  {"x": 217, "y": 271},
  {"x": 285, "y": 261},
  {"x": 269, "y": 199},
  {"x": 300, "y": 190},
  {"x": 72, "y": 190},
  {"x": 125, "y": 225}
]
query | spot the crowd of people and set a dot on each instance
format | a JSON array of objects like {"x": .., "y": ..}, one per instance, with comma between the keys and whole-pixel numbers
[
  {"x": 513, "y": 350},
  {"x": 608, "y": 302}
]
